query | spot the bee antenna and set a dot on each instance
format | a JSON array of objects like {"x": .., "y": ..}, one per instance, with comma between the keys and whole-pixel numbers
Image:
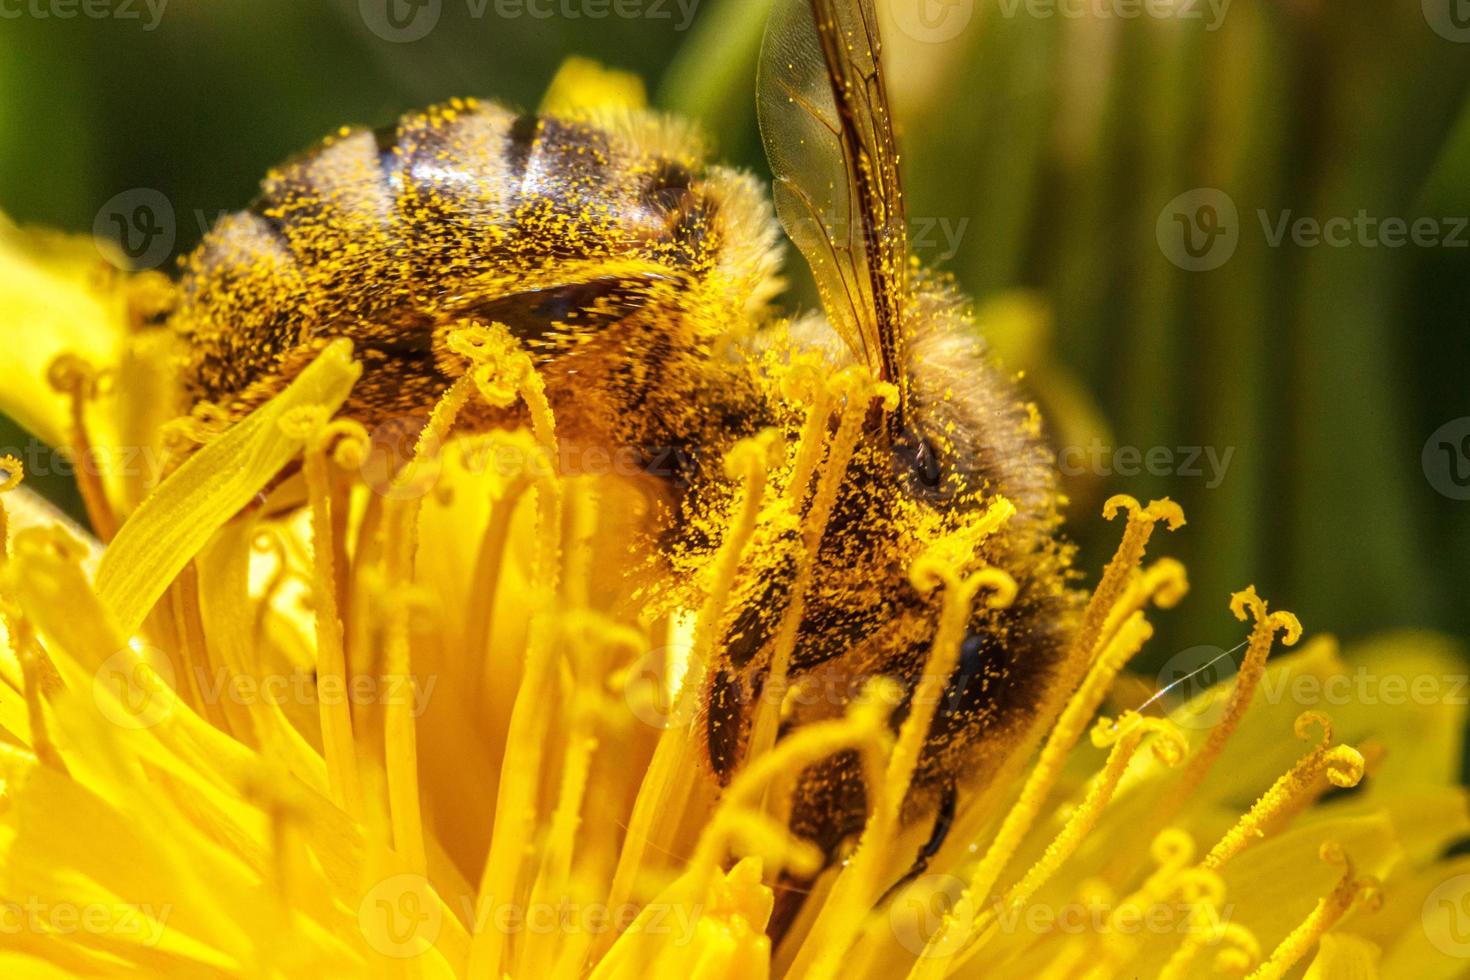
[{"x": 1189, "y": 676}]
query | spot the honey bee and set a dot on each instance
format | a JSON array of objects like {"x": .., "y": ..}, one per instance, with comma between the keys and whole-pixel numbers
[{"x": 642, "y": 278}]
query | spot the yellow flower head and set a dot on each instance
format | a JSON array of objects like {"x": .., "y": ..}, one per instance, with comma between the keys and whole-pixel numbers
[{"x": 438, "y": 717}]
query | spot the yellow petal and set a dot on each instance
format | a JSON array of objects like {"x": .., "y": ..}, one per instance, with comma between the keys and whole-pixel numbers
[
  {"x": 1272, "y": 886},
  {"x": 173, "y": 524},
  {"x": 1344, "y": 957},
  {"x": 58, "y": 294},
  {"x": 1422, "y": 929},
  {"x": 583, "y": 85},
  {"x": 1407, "y": 689}
]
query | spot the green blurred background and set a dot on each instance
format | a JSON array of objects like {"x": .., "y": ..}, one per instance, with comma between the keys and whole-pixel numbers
[{"x": 1052, "y": 143}]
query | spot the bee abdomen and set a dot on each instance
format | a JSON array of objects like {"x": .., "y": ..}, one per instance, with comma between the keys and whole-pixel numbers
[{"x": 376, "y": 234}]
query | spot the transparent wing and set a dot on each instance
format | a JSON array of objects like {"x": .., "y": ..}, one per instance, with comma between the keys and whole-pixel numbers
[{"x": 828, "y": 133}]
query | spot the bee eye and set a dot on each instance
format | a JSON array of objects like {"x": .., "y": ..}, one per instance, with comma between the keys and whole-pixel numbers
[
  {"x": 586, "y": 306},
  {"x": 916, "y": 454}
]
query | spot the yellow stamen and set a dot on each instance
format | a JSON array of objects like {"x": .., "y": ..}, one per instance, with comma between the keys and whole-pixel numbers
[
  {"x": 1172, "y": 851},
  {"x": 1241, "y": 952},
  {"x": 665, "y": 786},
  {"x": 1343, "y": 766},
  {"x": 866, "y": 720},
  {"x": 268, "y": 541},
  {"x": 400, "y": 734},
  {"x": 1204, "y": 892},
  {"x": 858, "y": 390},
  {"x": 1252, "y": 668},
  {"x": 807, "y": 384},
  {"x": 1063, "y": 737},
  {"x": 967, "y": 932},
  {"x": 503, "y": 372},
  {"x": 1163, "y": 584},
  {"x": 739, "y": 820},
  {"x": 1141, "y": 523},
  {"x": 599, "y": 640},
  {"x": 14, "y": 473},
  {"x": 858, "y": 885},
  {"x": 32, "y": 665},
  {"x": 194, "y": 653},
  {"x": 331, "y": 661},
  {"x": 1169, "y": 748},
  {"x": 81, "y": 383},
  {"x": 1120, "y": 593},
  {"x": 520, "y": 772},
  {"x": 1329, "y": 910},
  {"x": 489, "y": 567}
]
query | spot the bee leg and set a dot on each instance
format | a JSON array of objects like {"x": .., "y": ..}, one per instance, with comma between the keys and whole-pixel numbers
[
  {"x": 943, "y": 823},
  {"x": 829, "y": 808},
  {"x": 791, "y": 893}
]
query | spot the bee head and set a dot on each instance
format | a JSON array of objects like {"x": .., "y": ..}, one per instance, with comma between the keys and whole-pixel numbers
[
  {"x": 916, "y": 460},
  {"x": 966, "y": 427}
]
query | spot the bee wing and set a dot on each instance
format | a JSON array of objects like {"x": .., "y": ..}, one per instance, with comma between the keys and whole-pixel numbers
[{"x": 828, "y": 132}]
